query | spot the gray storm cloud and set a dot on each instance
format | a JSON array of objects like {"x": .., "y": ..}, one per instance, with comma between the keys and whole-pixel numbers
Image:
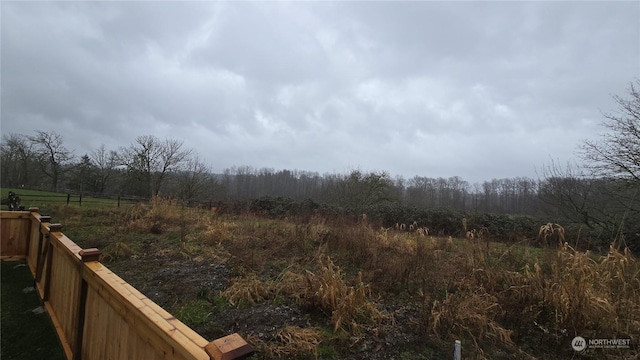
[{"x": 479, "y": 90}]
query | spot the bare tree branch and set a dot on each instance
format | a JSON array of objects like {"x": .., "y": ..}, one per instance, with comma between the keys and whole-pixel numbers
[
  {"x": 150, "y": 160},
  {"x": 51, "y": 155}
]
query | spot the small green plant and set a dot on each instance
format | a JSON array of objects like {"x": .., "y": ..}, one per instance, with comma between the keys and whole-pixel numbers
[
  {"x": 195, "y": 312},
  {"x": 328, "y": 352}
]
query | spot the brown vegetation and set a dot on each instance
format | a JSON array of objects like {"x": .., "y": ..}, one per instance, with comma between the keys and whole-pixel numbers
[{"x": 360, "y": 291}]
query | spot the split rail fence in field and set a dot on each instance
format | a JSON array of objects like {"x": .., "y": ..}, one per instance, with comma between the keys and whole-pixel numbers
[{"x": 96, "y": 314}]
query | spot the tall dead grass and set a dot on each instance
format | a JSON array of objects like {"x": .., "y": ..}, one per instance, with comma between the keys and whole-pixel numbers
[
  {"x": 247, "y": 289},
  {"x": 289, "y": 342},
  {"x": 349, "y": 306},
  {"x": 484, "y": 294},
  {"x": 472, "y": 314},
  {"x": 162, "y": 215},
  {"x": 579, "y": 294}
]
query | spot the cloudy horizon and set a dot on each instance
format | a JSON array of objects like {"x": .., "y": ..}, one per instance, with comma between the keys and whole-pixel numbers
[{"x": 479, "y": 90}]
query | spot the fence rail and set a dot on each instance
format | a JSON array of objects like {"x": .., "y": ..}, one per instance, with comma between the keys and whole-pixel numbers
[
  {"x": 83, "y": 199},
  {"x": 96, "y": 314},
  {"x": 119, "y": 200}
]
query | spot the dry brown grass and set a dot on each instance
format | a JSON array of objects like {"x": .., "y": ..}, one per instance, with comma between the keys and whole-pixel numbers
[
  {"x": 116, "y": 251},
  {"x": 470, "y": 314},
  {"x": 292, "y": 285},
  {"x": 214, "y": 232},
  {"x": 289, "y": 342},
  {"x": 551, "y": 233},
  {"x": 471, "y": 291},
  {"x": 615, "y": 289},
  {"x": 349, "y": 306},
  {"x": 487, "y": 296},
  {"x": 581, "y": 294},
  {"x": 163, "y": 215},
  {"x": 247, "y": 289}
]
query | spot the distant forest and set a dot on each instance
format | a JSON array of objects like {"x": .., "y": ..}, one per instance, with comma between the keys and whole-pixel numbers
[
  {"x": 601, "y": 209},
  {"x": 151, "y": 167}
]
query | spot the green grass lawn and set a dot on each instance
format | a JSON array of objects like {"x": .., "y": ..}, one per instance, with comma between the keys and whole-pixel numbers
[
  {"x": 46, "y": 199},
  {"x": 27, "y": 332}
]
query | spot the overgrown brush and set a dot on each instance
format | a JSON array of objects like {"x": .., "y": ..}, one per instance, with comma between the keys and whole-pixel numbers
[
  {"x": 390, "y": 259},
  {"x": 214, "y": 231},
  {"x": 470, "y": 314},
  {"x": 117, "y": 250},
  {"x": 292, "y": 285},
  {"x": 326, "y": 290},
  {"x": 289, "y": 342},
  {"x": 551, "y": 233},
  {"x": 349, "y": 306},
  {"x": 163, "y": 215},
  {"x": 488, "y": 295},
  {"x": 578, "y": 295},
  {"x": 247, "y": 290}
]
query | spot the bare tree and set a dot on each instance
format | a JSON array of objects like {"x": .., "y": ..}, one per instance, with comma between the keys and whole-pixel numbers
[
  {"x": 617, "y": 153},
  {"x": 570, "y": 194},
  {"x": 150, "y": 160},
  {"x": 616, "y": 157},
  {"x": 83, "y": 175},
  {"x": 105, "y": 163},
  {"x": 193, "y": 179},
  {"x": 16, "y": 154},
  {"x": 51, "y": 154}
]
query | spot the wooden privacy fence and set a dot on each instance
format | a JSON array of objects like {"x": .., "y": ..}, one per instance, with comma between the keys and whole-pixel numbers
[{"x": 96, "y": 314}]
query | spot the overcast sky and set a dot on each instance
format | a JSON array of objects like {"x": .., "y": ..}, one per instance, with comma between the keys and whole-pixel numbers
[{"x": 479, "y": 90}]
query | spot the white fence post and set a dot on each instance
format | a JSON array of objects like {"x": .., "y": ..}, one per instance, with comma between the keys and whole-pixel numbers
[{"x": 457, "y": 350}]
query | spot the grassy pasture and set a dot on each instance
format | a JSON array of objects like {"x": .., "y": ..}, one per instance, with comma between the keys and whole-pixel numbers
[
  {"x": 337, "y": 289},
  {"x": 48, "y": 199}
]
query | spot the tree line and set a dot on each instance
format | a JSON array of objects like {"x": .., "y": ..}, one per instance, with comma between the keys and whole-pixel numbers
[
  {"x": 599, "y": 196},
  {"x": 151, "y": 166}
]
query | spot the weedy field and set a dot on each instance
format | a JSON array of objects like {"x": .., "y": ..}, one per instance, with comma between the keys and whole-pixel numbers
[{"x": 333, "y": 288}]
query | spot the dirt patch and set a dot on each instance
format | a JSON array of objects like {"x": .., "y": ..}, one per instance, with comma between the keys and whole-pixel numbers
[{"x": 170, "y": 280}]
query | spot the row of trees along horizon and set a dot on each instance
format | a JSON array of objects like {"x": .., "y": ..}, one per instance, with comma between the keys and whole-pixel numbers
[{"x": 599, "y": 198}]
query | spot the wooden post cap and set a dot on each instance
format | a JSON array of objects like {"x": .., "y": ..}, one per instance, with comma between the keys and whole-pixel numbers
[
  {"x": 89, "y": 255},
  {"x": 45, "y": 219},
  {"x": 55, "y": 227},
  {"x": 34, "y": 209},
  {"x": 231, "y": 347}
]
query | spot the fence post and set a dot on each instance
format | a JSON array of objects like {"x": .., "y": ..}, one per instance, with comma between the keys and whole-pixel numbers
[
  {"x": 39, "y": 259},
  {"x": 118, "y": 200},
  {"x": 229, "y": 347},
  {"x": 49, "y": 258},
  {"x": 68, "y": 198},
  {"x": 32, "y": 211},
  {"x": 86, "y": 255},
  {"x": 80, "y": 201},
  {"x": 457, "y": 350}
]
